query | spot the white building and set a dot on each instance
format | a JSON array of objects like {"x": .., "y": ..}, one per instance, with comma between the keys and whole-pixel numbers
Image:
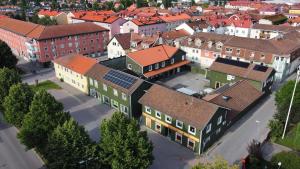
[{"x": 119, "y": 45}]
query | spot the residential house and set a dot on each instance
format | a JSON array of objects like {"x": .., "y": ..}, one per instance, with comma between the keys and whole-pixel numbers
[
  {"x": 263, "y": 31},
  {"x": 195, "y": 26},
  {"x": 72, "y": 70},
  {"x": 141, "y": 41},
  {"x": 174, "y": 20},
  {"x": 117, "y": 89},
  {"x": 224, "y": 71},
  {"x": 273, "y": 19},
  {"x": 237, "y": 26},
  {"x": 45, "y": 43},
  {"x": 146, "y": 26},
  {"x": 59, "y": 16},
  {"x": 203, "y": 48},
  {"x": 174, "y": 37},
  {"x": 191, "y": 122},
  {"x": 119, "y": 45},
  {"x": 156, "y": 62},
  {"x": 239, "y": 97}
]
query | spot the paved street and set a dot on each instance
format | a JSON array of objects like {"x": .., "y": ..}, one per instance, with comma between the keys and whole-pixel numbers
[
  {"x": 85, "y": 109},
  {"x": 13, "y": 154},
  {"x": 45, "y": 74}
]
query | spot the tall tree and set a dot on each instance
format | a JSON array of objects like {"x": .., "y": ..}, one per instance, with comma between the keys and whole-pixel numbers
[
  {"x": 67, "y": 147},
  {"x": 124, "y": 145},
  {"x": 218, "y": 163},
  {"x": 45, "y": 114},
  {"x": 17, "y": 103},
  {"x": 8, "y": 77},
  {"x": 96, "y": 6},
  {"x": 7, "y": 58}
]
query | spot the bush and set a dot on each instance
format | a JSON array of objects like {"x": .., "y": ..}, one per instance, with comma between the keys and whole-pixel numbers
[{"x": 289, "y": 160}]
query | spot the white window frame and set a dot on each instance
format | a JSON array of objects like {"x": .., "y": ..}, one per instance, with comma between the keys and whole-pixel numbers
[
  {"x": 170, "y": 119},
  {"x": 150, "y": 68},
  {"x": 91, "y": 82},
  {"x": 114, "y": 101},
  {"x": 122, "y": 108},
  {"x": 148, "y": 108},
  {"x": 124, "y": 97},
  {"x": 220, "y": 119},
  {"x": 95, "y": 83},
  {"x": 193, "y": 133},
  {"x": 208, "y": 128},
  {"x": 129, "y": 66},
  {"x": 178, "y": 134},
  {"x": 104, "y": 87},
  {"x": 178, "y": 121},
  {"x": 115, "y": 92},
  {"x": 158, "y": 114}
]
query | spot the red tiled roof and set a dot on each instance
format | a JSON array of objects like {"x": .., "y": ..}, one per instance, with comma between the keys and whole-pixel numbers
[
  {"x": 77, "y": 63},
  {"x": 100, "y": 18},
  {"x": 146, "y": 21},
  {"x": 174, "y": 18},
  {"x": 153, "y": 55},
  {"x": 48, "y": 12},
  {"x": 17, "y": 26},
  {"x": 165, "y": 69}
]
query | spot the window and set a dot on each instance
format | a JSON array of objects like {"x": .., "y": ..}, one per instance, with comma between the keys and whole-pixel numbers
[
  {"x": 238, "y": 51},
  {"x": 95, "y": 84},
  {"x": 114, "y": 104},
  {"x": 150, "y": 67},
  {"x": 115, "y": 92},
  {"x": 183, "y": 57},
  {"x": 218, "y": 130},
  {"x": 148, "y": 110},
  {"x": 208, "y": 128},
  {"x": 158, "y": 114},
  {"x": 46, "y": 48},
  {"x": 129, "y": 66},
  {"x": 91, "y": 82},
  {"x": 220, "y": 120},
  {"x": 157, "y": 127},
  {"x": 62, "y": 46},
  {"x": 191, "y": 144},
  {"x": 104, "y": 87},
  {"x": 163, "y": 64},
  {"x": 179, "y": 124},
  {"x": 178, "y": 137},
  {"x": 172, "y": 60},
  {"x": 124, "y": 97},
  {"x": 192, "y": 130},
  {"x": 124, "y": 109},
  {"x": 70, "y": 44},
  {"x": 156, "y": 65},
  {"x": 168, "y": 119}
]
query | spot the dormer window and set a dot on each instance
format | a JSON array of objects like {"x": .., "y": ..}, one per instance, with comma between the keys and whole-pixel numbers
[{"x": 150, "y": 68}]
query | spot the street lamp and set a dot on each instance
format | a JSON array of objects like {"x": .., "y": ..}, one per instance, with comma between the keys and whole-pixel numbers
[
  {"x": 291, "y": 103},
  {"x": 279, "y": 165}
]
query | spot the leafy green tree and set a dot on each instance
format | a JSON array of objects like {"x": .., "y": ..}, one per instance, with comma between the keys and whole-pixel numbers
[
  {"x": 167, "y": 3},
  {"x": 46, "y": 21},
  {"x": 8, "y": 77},
  {"x": 96, "y": 6},
  {"x": 17, "y": 103},
  {"x": 218, "y": 163},
  {"x": 54, "y": 5},
  {"x": 7, "y": 58},
  {"x": 45, "y": 114},
  {"x": 109, "y": 5},
  {"x": 67, "y": 146},
  {"x": 124, "y": 145},
  {"x": 276, "y": 128},
  {"x": 140, "y": 3},
  {"x": 289, "y": 160}
]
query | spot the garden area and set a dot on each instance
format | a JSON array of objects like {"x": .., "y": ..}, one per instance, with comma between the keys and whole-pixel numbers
[
  {"x": 46, "y": 85},
  {"x": 292, "y": 139}
]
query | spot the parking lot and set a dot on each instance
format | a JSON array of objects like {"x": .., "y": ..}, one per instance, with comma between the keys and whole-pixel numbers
[
  {"x": 86, "y": 110},
  {"x": 193, "y": 81}
]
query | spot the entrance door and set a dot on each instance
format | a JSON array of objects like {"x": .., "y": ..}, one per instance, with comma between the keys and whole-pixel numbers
[
  {"x": 167, "y": 132},
  {"x": 217, "y": 85},
  {"x": 148, "y": 122}
]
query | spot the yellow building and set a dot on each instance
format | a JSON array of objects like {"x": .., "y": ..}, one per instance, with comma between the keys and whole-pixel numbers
[
  {"x": 294, "y": 11},
  {"x": 72, "y": 69}
]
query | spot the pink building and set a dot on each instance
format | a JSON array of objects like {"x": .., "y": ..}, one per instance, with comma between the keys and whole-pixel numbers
[
  {"x": 44, "y": 43},
  {"x": 146, "y": 26}
]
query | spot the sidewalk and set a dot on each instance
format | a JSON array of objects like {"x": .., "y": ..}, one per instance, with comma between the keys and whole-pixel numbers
[{"x": 270, "y": 149}]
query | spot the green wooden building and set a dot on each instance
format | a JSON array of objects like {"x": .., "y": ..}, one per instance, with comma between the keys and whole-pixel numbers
[
  {"x": 224, "y": 71},
  {"x": 191, "y": 122},
  {"x": 156, "y": 62},
  {"x": 117, "y": 89}
]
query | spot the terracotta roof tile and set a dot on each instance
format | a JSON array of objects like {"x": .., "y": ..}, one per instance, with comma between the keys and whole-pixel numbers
[
  {"x": 77, "y": 63},
  {"x": 179, "y": 106},
  {"x": 124, "y": 40},
  {"x": 176, "y": 17},
  {"x": 17, "y": 26},
  {"x": 48, "y": 12}
]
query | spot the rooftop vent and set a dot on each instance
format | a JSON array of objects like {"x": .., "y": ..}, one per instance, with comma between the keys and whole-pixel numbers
[{"x": 226, "y": 98}]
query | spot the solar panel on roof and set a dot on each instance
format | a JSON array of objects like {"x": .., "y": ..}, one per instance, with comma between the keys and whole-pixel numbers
[
  {"x": 233, "y": 62},
  {"x": 260, "y": 68},
  {"x": 120, "y": 79}
]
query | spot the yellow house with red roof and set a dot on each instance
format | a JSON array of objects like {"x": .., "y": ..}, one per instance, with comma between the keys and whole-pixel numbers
[
  {"x": 72, "y": 69},
  {"x": 60, "y": 17}
]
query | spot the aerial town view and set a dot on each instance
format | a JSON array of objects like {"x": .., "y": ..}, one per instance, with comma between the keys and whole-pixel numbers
[{"x": 149, "y": 84}]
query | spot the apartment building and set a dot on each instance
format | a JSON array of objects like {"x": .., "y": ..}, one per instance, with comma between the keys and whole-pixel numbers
[
  {"x": 146, "y": 26},
  {"x": 174, "y": 20}
]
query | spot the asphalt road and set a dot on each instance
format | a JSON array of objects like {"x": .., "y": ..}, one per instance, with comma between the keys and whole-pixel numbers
[
  {"x": 13, "y": 154},
  {"x": 46, "y": 74}
]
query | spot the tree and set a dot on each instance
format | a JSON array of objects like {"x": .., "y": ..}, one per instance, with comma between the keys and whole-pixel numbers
[
  {"x": 45, "y": 114},
  {"x": 54, "y": 5},
  {"x": 289, "y": 160},
  {"x": 17, "y": 103},
  {"x": 96, "y": 6},
  {"x": 124, "y": 145},
  {"x": 8, "y": 77},
  {"x": 167, "y": 3},
  {"x": 254, "y": 149},
  {"x": 218, "y": 163},
  {"x": 67, "y": 146},
  {"x": 46, "y": 21},
  {"x": 276, "y": 128},
  {"x": 7, "y": 58}
]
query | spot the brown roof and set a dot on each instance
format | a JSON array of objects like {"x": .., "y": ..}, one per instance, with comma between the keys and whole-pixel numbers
[
  {"x": 77, "y": 63},
  {"x": 124, "y": 40},
  {"x": 282, "y": 28},
  {"x": 174, "y": 34},
  {"x": 47, "y": 32},
  {"x": 179, "y": 106},
  {"x": 237, "y": 97},
  {"x": 249, "y": 71},
  {"x": 17, "y": 26},
  {"x": 98, "y": 71}
]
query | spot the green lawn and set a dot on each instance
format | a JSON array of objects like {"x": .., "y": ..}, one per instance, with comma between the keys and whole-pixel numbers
[
  {"x": 46, "y": 85},
  {"x": 292, "y": 139}
]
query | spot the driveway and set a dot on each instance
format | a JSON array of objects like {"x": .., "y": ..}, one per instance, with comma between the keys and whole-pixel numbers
[{"x": 86, "y": 110}]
